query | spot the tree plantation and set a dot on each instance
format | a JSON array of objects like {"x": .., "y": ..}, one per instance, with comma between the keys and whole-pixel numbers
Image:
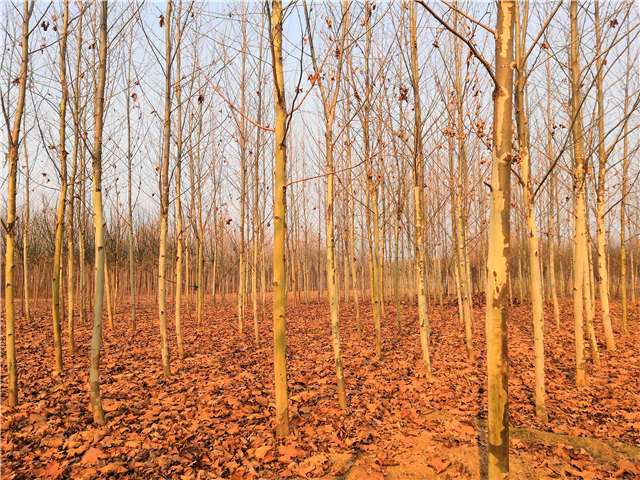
[{"x": 320, "y": 239}]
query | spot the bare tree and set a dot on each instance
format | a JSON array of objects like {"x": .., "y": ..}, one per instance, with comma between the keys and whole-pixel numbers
[
  {"x": 14, "y": 145},
  {"x": 98, "y": 222}
]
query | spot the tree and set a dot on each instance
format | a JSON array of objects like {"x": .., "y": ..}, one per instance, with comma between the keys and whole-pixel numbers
[
  {"x": 535, "y": 282},
  {"x": 132, "y": 283},
  {"x": 329, "y": 96},
  {"x": 497, "y": 311},
  {"x": 623, "y": 201},
  {"x": 164, "y": 199},
  {"x": 461, "y": 226},
  {"x": 72, "y": 190},
  {"x": 14, "y": 144},
  {"x": 279, "y": 214},
  {"x": 98, "y": 222},
  {"x": 179, "y": 227},
  {"x": 603, "y": 274},
  {"x": 418, "y": 196},
  {"x": 243, "y": 182},
  {"x": 57, "y": 256},
  {"x": 579, "y": 222},
  {"x": 256, "y": 197}
]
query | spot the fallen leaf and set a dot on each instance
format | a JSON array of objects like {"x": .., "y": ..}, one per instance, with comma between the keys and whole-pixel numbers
[
  {"x": 53, "y": 470},
  {"x": 260, "y": 452},
  {"x": 92, "y": 456},
  {"x": 438, "y": 464}
]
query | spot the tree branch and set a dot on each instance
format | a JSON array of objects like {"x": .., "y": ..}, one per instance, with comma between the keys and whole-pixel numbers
[{"x": 467, "y": 42}]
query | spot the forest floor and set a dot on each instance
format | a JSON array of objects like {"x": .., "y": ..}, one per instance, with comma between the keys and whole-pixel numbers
[{"x": 214, "y": 417}]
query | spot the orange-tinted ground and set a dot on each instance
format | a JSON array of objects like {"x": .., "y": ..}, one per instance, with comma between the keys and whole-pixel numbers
[{"x": 214, "y": 417}]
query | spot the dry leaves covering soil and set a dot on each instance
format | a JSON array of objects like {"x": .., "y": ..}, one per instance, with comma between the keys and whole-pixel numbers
[{"x": 214, "y": 417}]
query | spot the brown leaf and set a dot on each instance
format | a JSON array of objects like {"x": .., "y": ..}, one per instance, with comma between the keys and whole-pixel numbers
[
  {"x": 290, "y": 451},
  {"x": 112, "y": 468},
  {"x": 624, "y": 466},
  {"x": 92, "y": 456},
  {"x": 438, "y": 464},
  {"x": 261, "y": 452},
  {"x": 53, "y": 470}
]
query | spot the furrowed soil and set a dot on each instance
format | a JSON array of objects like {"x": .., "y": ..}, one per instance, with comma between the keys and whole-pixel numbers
[{"x": 213, "y": 418}]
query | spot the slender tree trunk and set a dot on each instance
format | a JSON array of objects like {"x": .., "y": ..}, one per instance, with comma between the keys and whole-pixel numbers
[
  {"x": 350, "y": 215},
  {"x": 579, "y": 231},
  {"x": 243, "y": 185},
  {"x": 179, "y": 226},
  {"x": 457, "y": 240},
  {"x": 463, "y": 269},
  {"x": 603, "y": 275},
  {"x": 332, "y": 290},
  {"x": 279, "y": 227},
  {"x": 552, "y": 206},
  {"x": 396, "y": 264},
  {"x": 623, "y": 203},
  {"x": 371, "y": 195},
  {"x": 9, "y": 267},
  {"x": 199, "y": 227},
  {"x": 256, "y": 198},
  {"x": 108, "y": 289},
  {"x": 214, "y": 272},
  {"x": 535, "y": 281},
  {"x": 497, "y": 310},
  {"x": 588, "y": 308},
  {"x": 329, "y": 100},
  {"x": 132, "y": 284},
  {"x": 74, "y": 169},
  {"x": 164, "y": 201},
  {"x": 418, "y": 196},
  {"x": 57, "y": 256},
  {"x": 25, "y": 230},
  {"x": 96, "y": 338},
  {"x": 82, "y": 221}
]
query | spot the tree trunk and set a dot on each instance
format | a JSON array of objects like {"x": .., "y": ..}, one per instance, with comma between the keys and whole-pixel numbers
[
  {"x": 74, "y": 169},
  {"x": 552, "y": 207},
  {"x": 579, "y": 230},
  {"x": 25, "y": 230},
  {"x": 132, "y": 284},
  {"x": 623, "y": 202},
  {"x": 9, "y": 267},
  {"x": 497, "y": 309},
  {"x": 96, "y": 337},
  {"x": 164, "y": 201},
  {"x": 256, "y": 206},
  {"x": 179, "y": 226},
  {"x": 418, "y": 196},
  {"x": 57, "y": 256},
  {"x": 603, "y": 275},
  {"x": 535, "y": 280},
  {"x": 279, "y": 210},
  {"x": 461, "y": 223},
  {"x": 351, "y": 214}
]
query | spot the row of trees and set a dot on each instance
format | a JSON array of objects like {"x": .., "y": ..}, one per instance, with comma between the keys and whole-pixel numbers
[{"x": 372, "y": 106}]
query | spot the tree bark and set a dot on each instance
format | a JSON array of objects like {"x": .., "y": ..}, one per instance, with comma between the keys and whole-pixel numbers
[
  {"x": 57, "y": 256},
  {"x": 164, "y": 201},
  {"x": 623, "y": 202},
  {"x": 418, "y": 196},
  {"x": 497, "y": 309},
  {"x": 535, "y": 280},
  {"x": 579, "y": 230},
  {"x": 279, "y": 227},
  {"x": 96, "y": 337},
  {"x": 603, "y": 275},
  {"x": 9, "y": 267}
]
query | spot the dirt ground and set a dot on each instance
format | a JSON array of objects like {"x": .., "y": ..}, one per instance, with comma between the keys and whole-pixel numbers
[{"x": 214, "y": 417}]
